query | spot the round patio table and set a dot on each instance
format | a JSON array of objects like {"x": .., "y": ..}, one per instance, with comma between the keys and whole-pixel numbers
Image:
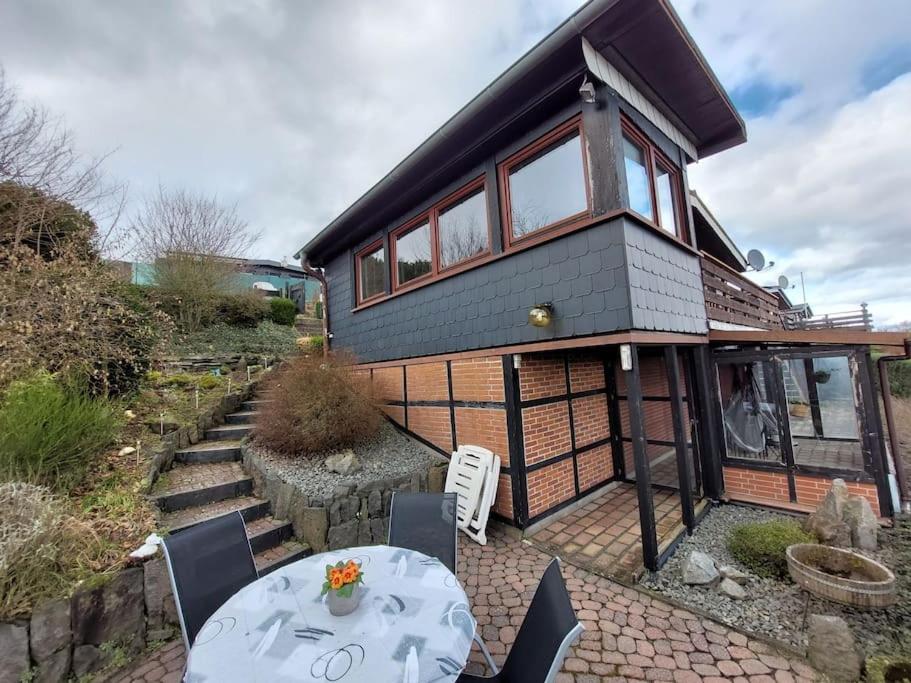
[{"x": 413, "y": 625}]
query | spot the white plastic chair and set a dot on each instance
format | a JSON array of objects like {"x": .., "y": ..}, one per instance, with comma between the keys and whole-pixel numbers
[{"x": 474, "y": 474}]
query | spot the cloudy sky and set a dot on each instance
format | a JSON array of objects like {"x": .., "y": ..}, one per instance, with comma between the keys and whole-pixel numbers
[{"x": 294, "y": 109}]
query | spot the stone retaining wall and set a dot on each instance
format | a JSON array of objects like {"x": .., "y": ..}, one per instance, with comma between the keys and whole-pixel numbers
[
  {"x": 352, "y": 516},
  {"x": 92, "y": 631}
]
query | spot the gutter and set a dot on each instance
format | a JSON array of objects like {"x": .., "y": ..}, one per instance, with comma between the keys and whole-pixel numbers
[
  {"x": 320, "y": 277},
  {"x": 900, "y": 473}
]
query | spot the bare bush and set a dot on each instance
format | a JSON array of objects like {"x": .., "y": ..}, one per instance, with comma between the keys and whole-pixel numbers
[
  {"x": 317, "y": 407},
  {"x": 193, "y": 243},
  {"x": 44, "y": 550}
]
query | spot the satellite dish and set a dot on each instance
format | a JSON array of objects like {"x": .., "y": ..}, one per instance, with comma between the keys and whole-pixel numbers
[
  {"x": 755, "y": 259},
  {"x": 783, "y": 282}
]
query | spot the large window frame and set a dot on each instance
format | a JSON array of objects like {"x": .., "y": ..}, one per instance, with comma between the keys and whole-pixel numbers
[
  {"x": 432, "y": 216},
  {"x": 656, "y": 159},
  {"x": 358, "y": 282},
  {"x": 565, "y": 130}
]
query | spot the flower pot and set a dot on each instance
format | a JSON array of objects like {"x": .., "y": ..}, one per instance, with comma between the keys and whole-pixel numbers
[{"x": 340, "y": 606}]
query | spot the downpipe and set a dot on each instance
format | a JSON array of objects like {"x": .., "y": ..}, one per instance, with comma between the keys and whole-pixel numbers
[
  {"x": 320, "y": 277},
  {"x": 899, "y": 463}
]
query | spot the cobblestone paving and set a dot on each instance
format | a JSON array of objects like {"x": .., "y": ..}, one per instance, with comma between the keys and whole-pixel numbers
[
  {"x": 628, "y": 636},
  {"x": 185, "y": 478}
]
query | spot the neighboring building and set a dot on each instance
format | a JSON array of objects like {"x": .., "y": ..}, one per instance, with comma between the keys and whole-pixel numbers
[{"x": 662, "y": 364}]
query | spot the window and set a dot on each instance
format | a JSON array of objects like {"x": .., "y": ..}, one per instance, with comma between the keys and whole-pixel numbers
[
  {"x": 413, "y": 257},
  {"x": 463, "y": 229},
  {"x": 371, "y": 272},
  {"x": 545, "y": 186},
  {"x": 653, "y": 182}
]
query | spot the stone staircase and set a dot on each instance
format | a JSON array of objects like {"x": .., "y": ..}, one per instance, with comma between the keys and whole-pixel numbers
[{"x": 208, "y": 480}]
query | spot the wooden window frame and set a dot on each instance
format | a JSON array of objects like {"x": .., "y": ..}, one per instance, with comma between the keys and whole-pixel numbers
[
  {"x": 358, "y": 256},
  {"x": 564, "y": 225},
  {"x": 655, "y": 158},
  {"x": 432, "y": 216}
]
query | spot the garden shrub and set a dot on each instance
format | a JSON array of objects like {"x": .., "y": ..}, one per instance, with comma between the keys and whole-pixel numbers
[
  {"x": 266, "y": 339},
  {"x": 317, "y": 407},
  {"x": 44, "y": 549},
  {"x": 760, "y": 546},
  {"x": 51, "y": 432},
  {"x": 241, "y": 310},
  {"x": 282, "y": 311}
]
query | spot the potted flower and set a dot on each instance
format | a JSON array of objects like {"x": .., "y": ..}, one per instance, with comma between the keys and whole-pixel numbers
[{"x": 342, "y": 587}]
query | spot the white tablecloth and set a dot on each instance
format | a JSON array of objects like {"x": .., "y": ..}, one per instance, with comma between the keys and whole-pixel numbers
[{"x": 413, "y": 625}]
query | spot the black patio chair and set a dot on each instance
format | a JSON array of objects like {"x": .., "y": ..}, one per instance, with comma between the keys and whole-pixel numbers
[
  {"x": 549, "y": 628},
  {"x": 427, "y": 523},
  {"x": 208, "y": 563}
]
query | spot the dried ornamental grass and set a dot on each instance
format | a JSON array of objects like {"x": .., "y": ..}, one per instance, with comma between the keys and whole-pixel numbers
[{"x": 44, "y": 550}]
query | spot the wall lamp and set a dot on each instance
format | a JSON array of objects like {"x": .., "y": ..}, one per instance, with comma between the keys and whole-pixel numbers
[
  {"x": 587, "y": 92},
  {"x": 541, "y": 315}
]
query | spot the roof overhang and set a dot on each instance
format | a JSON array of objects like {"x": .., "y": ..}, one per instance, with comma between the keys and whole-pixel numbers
[
  {"x": 836, "y": 336},
  {"x": 721, "y": 242},
  {"x": 643, "y": 39}
]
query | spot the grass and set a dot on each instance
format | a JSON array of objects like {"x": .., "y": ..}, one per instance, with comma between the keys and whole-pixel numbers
[
  {"x": 760, "y": 546},
  {"x": 266, "y": 339}
]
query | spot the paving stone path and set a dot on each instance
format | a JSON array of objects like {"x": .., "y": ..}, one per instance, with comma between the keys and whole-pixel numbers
[{"x": 629, "y": 636}]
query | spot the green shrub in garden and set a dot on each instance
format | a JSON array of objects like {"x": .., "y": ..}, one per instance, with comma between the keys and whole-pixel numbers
[
  {"x": 266, "y": 339},
  {"x": 51, "y": 432},
  {"x": 760, "y": 546},
  {"x": 282, "y": 311},
  {"x": 241, "y": 310}
]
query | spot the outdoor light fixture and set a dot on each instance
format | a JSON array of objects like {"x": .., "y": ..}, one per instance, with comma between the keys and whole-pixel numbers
[
  {"x": 587, "y": 91},
  {"x": 626, "y": 357},
  {"x": 541, "y": 315}
]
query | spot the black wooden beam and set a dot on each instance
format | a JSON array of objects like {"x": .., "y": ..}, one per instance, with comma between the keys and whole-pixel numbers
[
  {"x": 683, "y": 466},
  {"x": 777, "y": 395},
  {"x": 613, "y": 416},
  {"x": 451, "y": 406},
  {"x": 711, "y": 422},
  {"x": 873, "y": 430},
  {"x": 640, "y": 456},
  {"x": 813, "y": 396},
  {"x": 517, "y": 468}
]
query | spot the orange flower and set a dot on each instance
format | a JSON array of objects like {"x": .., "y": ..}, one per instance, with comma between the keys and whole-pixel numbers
[
  {"x": 336, "y": 581},
  {"x": 349, "y": 575}
]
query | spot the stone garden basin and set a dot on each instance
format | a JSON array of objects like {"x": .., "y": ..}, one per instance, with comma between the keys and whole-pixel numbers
[{"x": 841, "y": 575}]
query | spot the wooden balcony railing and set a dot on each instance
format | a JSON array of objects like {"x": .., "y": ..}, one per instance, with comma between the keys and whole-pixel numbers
[
  {"x": 850, "y": 320},
  {"x": 731, "y": 298}
]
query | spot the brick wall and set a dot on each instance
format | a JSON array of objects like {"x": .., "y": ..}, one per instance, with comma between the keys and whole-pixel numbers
[
  {"x": 550, "y": 486},
  {"x": 432, "y": 424},
  {"x": 478, "y": 379},
  {"x": 388, "y": 384},
  {"x": 542, "y": 375},
  {"x": 590, "y": 419},
  {"x": 503, "y": 503},
  {"x": 811, "y": 490},
  {"x": 595, "y": 466},
  {"x": 427, "y": 382},
  {"x": 483, "y": 427},
  {"x": 546, "y": 431},
  {"x": 586, "y": 372}
]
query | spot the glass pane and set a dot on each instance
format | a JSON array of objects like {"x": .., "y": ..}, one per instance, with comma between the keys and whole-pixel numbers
[
  {"x": 750, "y": 412},
  {"x": 822, "y": 413},
  {"x": 463, "y": 229},
  {"x": 373, "y": 271},
  {"x": 664, "y": 188},
  {"x": 640, "y": 199},
  {"x": 412, "y": 253},
  {"x": 547, "y": 188}
]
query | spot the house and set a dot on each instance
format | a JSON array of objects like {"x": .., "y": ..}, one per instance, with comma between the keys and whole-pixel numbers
[{"x": 538, "y": 278}]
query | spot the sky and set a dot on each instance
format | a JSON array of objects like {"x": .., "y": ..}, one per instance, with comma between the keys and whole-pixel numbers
[{"x": 292, "y": 110}]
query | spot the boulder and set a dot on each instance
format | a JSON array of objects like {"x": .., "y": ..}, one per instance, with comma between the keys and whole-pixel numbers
[
  {"x": 860, "y": 518},
  {"x": 159, "y": 602},
  {"x": 126, "y": 450},
  {"x": 49, "y": 630},
  {"x": 734, "y": 574},
  {"x": 699, "y": 569},
  {"x": 114, "y": 611},
  {"x": 53, "y": 669},
  {"x": 344, "y": 463},
  {"x": 311, "y": 524},
  {"x": 831, "y": 648},
  {"x": 14, "y": 662},
  {"x": 827, "y": 522},
  {"x": 732, "y": 589},
  {"x": 87, "y": 659},
  {"x": 344, "y": 535},
  {"x": 164, "y": 425}
]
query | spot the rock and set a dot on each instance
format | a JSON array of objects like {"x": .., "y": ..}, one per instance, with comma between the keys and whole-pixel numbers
[
  {"x": 699, "y": 569},
  {"x": 55, "y": 668},
  {"x": 832, "y": 649},
  {"x": 112, "y": 612},
  {"x": 159, "y": 602},
  {"x": 374, "y": 504},
  {"x": 49, "y": 630},
  {"x": 86, "y": 659},
  {"x": 126, "y": 450},
  {"x": 129, "y": 414},
  {"x": 364, "y": 534},
  {"x": 827, "y": 522},
  {"x": 859, "y": 516},
  {"x": 335, "y": 513},
  {"x": 343, "y": 463},
  {"x": 164, "y": 425},
  {"x": 378, "y": 530},
  {"x": 311, "y": 524},
  {"x": 734, "y": 574},
  {"x": 14, "y": 661},
  {"x": 344, "y": 535},
  {"x": 436, "y": 479},
  {"x": 732, "y": 589}
]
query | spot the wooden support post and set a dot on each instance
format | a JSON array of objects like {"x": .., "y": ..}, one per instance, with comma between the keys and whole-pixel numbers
[
  {"x": 683, "y": 465},
  {"x": 712, "y": 428},
  {"x": 517, "y": 467},
  {"x": 640, "y": 456}
]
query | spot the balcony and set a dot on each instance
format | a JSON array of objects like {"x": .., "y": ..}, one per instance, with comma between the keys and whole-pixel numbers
[{"x": 731, "y": 299}]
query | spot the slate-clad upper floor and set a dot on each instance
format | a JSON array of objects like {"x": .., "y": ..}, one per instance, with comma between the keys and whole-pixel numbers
[{"x": 615, "y": 275}]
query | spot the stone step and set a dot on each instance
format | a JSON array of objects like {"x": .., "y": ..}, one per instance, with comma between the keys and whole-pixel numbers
[
  {"x": 209, "y": 451},
  {"x": 288, "y": 552},
  {"x": 227, "y": 432},
  {"x": 268, "y": 532},
  {"x": 255, "y": 404},
  {"x": 250, "y": 508},
  {"x": 193, "y": 485},
  {"x": 242, "y": 418}
]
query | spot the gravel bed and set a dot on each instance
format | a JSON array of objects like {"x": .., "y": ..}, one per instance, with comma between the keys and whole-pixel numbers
[
  {"x": 388, "y": 455},
  {"x": 777, "y": 609}
]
